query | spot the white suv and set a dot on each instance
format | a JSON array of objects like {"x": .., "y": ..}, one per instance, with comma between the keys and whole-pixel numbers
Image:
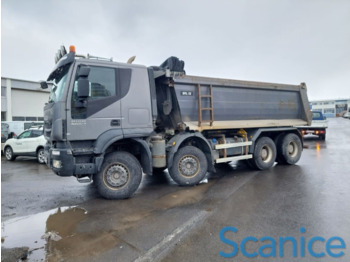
[{"x": 29, "y": 143}]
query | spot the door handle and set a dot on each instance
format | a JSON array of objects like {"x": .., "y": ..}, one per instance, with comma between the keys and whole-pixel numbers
[{"x": 115, "y": 122}]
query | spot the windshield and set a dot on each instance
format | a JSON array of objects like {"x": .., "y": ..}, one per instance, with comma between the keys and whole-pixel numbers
[
  {"x": 59, "y": 83},
  {"x": 317, "y": 116}
]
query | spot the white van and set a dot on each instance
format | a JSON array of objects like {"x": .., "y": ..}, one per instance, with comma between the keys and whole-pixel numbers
[{"x": 17, "y": 127}]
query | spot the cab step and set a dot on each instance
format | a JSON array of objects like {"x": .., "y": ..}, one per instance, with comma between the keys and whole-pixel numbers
[
  {"x": 233, "y": 158},
  {"x": 85, "y": 179}
]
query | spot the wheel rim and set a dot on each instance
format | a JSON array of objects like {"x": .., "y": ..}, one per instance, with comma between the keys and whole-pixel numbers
[
  {"x": 189, "y": 166},
  {"x": 41, "y": 156},
  {"x": 117, "y": 175},
  {"x": 266, "y": 154},
  {"x": 8, "y": 153},
  {"x": 292, "y": 149}
]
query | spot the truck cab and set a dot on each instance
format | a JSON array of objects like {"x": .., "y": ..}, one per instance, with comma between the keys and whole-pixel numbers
[{"x": 93, "y": 103}]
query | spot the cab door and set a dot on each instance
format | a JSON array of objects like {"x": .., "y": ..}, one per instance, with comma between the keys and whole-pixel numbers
[{"x": 101, "y": 111}]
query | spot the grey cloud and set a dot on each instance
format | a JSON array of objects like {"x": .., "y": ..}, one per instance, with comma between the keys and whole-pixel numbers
[{"x": 271, "y": 40}]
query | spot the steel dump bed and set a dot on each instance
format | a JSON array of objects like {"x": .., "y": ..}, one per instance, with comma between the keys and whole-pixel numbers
[{"x": 211, "y": 103}]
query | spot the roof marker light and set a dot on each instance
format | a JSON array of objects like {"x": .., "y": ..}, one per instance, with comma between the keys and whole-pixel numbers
[{"x": 72, "y": 49}]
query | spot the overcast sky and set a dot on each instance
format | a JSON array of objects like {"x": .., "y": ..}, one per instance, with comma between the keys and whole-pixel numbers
[{"x": 263, "y": 40}]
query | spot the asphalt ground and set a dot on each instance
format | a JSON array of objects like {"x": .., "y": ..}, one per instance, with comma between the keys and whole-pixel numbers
[{"x": 165, "y": 222}]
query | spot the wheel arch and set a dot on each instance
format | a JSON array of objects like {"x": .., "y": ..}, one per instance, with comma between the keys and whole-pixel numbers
[
  {"x": 135, "y": 146},
  {"x": 105, "y": 140},
  {"x": 194, "y": 139},
  {"x": 38, "y": 148},
  {"x": 6, "y": 146}
]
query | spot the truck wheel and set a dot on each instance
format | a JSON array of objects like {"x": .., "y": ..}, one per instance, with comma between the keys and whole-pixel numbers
[
  {"x": 40, "y": 155},
  {"x": 264, "y": 154},
  {"x": 278, "y": 140},
  {"x": 119, "y": 177},
  {"x": 323, "y": 137},
  {"x": 189, "y": 166},
  {"x": 289, "y": 149},
  {"x": 9, "y": 154}
]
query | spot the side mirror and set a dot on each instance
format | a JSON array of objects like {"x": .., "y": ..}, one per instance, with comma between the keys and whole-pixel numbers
[
  {"x": 83, "y": 88},
  {"x": 43, "y": 85},
  {"x": 83, "y": 82},
  {"x": 84, "y": 71}
]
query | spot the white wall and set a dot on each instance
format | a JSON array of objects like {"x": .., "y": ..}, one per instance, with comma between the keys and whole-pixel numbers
[
  {"x": 28, "y": 103},
  {"x": 3, "y": 104}
]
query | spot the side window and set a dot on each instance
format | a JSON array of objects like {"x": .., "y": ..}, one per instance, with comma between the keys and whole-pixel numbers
[
  {"x": 316, "y": 115},
  {"x": 102, "y": 92},
  {"x": 102, "y": 83},
  {"x": 36, "y": 133},
  {"x": 27, "y": 125},
  {"x": 25, "y": 134}
]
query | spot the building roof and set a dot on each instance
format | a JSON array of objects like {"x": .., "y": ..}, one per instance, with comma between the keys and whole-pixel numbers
[{"x": 24, "y": 84}]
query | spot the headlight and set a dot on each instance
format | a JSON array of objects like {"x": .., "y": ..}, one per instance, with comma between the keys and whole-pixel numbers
[{"x": 56, "y": 163}]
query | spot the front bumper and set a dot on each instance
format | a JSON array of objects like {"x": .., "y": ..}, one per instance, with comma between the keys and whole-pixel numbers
[{"x": 63, "y": 163}]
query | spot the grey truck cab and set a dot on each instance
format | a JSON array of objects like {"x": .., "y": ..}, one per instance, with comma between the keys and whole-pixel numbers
[{"x": 109, "y": 122}]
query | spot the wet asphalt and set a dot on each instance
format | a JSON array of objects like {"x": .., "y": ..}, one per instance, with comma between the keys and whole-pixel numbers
[{"x": 165, "y": 222}]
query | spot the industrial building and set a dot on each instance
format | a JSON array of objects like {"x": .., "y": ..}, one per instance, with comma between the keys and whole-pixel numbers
[
  {"x": 22, "y": 100},
  {"x": 331, "y": 107}
]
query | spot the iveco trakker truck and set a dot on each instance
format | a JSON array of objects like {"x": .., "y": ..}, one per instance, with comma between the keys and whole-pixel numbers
[{"x": 111, "y": 122}]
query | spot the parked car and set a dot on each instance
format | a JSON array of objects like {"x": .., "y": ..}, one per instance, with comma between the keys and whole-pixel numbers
[
  {"x": 29, "y": 143},
  {"x": 347, "y": 114}
]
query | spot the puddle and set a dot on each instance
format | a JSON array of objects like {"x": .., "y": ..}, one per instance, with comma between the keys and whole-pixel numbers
[
  {"x": 28, "y": 231},
  {"x": 185, "y": 196},
  {"x": 315, "y": 144}
]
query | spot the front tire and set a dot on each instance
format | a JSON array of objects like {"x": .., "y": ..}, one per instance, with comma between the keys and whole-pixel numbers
[
  {"x": 119, "y": 177},
  {"x": 40, "y": 155},
  {"x": 189, "y": 166},
  {"x": 9, "y": 154},
  {"x": 264, "y": 154}
]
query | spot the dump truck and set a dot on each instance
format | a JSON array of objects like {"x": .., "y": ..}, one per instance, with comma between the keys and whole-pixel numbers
[{"x": 110, "y": 122}]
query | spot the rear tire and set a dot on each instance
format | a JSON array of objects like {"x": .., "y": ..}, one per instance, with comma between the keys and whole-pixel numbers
[
  {"x": 289, "y": 149},
  {"x": 189, "y": 166},
  {"x": 9, "y": 154},
  {"x": 41, "y": 156},
  {"x": 323, "y": 137},
  {"x": 264, "y": 153},
  {"x": 119, "y": 177}
]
